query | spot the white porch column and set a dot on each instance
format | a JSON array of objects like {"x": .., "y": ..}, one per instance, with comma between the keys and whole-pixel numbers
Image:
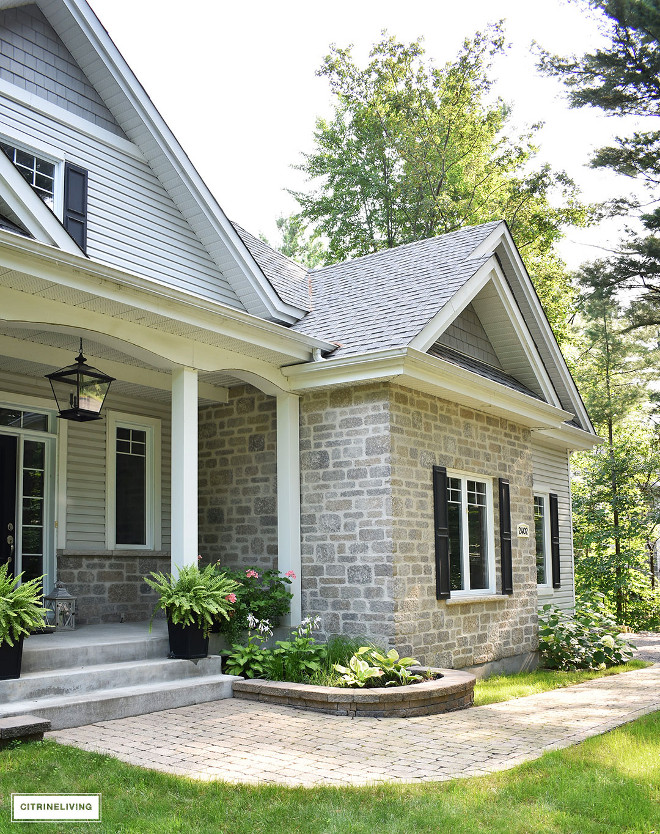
[
  {"x": 288, "y": 496},
  {"x": 185, "y": 547}
]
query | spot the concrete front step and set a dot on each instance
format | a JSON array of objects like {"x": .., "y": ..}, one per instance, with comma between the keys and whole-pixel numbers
[
  {"x": 93, "y": 645},
  {"x": 83, "y": 679},
  {"x": 107, "y": 704}
]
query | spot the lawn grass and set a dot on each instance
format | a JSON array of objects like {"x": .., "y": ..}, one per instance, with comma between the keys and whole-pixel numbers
[
  {"x": 505, "y": 687},
  {"x": 610, "y": 784}
]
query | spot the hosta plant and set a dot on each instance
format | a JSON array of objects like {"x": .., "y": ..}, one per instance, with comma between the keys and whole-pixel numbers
[
  {"x": 587, "y": 639},
  {"x": 21, "y": 610},
  {"x": 369, "y": 667},
  {"x": 194, "y": 597}
]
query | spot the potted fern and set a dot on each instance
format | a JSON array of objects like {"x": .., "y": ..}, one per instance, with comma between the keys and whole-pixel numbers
[
  {"x": 193, "y": 600},
  {"x": 21, "y": 612}
]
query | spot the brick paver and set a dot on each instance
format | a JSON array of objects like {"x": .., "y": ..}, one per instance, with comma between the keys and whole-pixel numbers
[{"x": 243, "y": 741}]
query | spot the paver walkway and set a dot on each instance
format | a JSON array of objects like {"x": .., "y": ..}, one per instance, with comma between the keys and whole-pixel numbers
[{"x": 242, "y": 741}]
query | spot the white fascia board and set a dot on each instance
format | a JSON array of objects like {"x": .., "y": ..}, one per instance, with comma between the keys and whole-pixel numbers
[
  {"x": 542, "y": 322},
  {"x": 452, "y": 308},
  {"x": 33, "y": 213},
  {"x": 104, "y": 280},
  {"x": 568, "y": 438},
  {"x": 489, "y": 271},
  {"x": 269, "y": 304},
  {"x": 488, "y": 246},
  {"x": 446, "y": 380}
]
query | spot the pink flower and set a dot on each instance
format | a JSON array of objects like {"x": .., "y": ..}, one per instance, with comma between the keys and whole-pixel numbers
[
  {"x": 251, "y": 574},
  {"x": 198, "y": 558},
  {"x": 290, "y": 574},
  {"x": 231, "y": 597}
]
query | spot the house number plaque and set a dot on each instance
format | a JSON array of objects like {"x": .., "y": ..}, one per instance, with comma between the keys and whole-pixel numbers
[{"x": 523, "y": 531}]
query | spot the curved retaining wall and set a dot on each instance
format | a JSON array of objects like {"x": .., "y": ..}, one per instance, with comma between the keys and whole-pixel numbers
[{"x": 454, "y": 690}]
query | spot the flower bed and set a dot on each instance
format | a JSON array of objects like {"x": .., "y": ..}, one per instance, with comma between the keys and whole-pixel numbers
[{"x": 453, "y": 690}]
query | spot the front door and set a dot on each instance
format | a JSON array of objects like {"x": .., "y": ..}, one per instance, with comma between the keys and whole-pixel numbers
[
  {"x": 26, "y": 493},
  {"x": 8, "y": 477}
]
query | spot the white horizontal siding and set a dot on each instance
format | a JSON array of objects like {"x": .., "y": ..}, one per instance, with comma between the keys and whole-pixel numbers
[
  {"x": 552, "y": 474},
  {"x": 86, "y": 475},
  {"x": 133, "y": 222}
]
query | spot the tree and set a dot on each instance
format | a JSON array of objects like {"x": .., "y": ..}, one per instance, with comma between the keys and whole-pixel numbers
[
  {"x": 622, "y": 79},
  {"x": 296, "y": 243},
  {"x": 414, "y": 151},
  {"x": 617, "y": 486}
]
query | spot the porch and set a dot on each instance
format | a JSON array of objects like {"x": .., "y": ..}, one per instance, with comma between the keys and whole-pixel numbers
[{"x": 200, "y": 412}]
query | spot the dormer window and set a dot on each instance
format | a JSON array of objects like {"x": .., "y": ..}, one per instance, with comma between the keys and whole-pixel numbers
[{"x": 38, "y": 172}]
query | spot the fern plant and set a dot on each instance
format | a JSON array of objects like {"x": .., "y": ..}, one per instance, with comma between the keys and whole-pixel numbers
[
  {"x": 21, "y": 609},
  {"x": 193, "y": 597}
]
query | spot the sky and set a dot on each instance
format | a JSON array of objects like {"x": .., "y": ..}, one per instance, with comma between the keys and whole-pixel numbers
[{"x": 237, "y": 85}]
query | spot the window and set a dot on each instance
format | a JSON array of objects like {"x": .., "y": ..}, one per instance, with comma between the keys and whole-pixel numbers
[
  {"x": 133, "y": 461},
  {"x": 38, "y": 172},
  {"x": 542, "y": 533},
  {"x": 470, "y": 534}
]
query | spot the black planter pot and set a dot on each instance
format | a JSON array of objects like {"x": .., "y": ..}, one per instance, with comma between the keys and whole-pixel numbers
[
  {"x": 187, "y": 642},
  {"x": 10, "y": 660}
]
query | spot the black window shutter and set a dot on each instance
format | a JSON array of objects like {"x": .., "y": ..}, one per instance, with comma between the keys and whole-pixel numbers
[
  {"x": 554, "y": 541},
  {"x": 440, "y": 512},
  {"x": 505, "y": 537},
  {"x": 75, "y": 204}
]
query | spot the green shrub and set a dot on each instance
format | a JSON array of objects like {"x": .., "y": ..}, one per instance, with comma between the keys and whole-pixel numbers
[
  {"x": 585, "y": 640},
  {"x": 369, "y": 667},
  {"x": 264, "y": 595}
]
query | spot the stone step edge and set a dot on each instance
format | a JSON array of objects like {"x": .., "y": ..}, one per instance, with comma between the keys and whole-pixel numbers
[
  {"x": 20, "y": 707},
  {"x": 103, "y": 667}
]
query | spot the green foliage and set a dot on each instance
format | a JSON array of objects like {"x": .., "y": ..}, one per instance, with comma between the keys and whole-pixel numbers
[
  {"x": 296, "y": 243},
  {"x": 299, "y": 658},
  {"x": 265, "y": 595},
  {"x": 370, "y": 667},
  {"x": 21, "y": 610},
  {"x": 585, "y": 640},
  {"x": 414, "y": 150},
  {"x": 194, "y": 597},
  {"x": 616, "y": 514},
  {"x": 622, "y": 79},
  {"x": 253, "y": 659}
]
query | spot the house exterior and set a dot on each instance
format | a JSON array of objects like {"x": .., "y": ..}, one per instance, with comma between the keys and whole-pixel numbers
[{"x": 396, "y": 429}]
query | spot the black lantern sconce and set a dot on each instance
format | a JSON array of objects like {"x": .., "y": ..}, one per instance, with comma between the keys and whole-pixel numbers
[{"x": 80, "y": 390}]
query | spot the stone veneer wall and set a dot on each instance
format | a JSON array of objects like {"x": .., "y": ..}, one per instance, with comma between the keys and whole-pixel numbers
[
  {"x": 368, "y": 564},
  {"x": 346, "y": 520},
  {"x": 111, "y": 585},
  {"x": 428, "y": 431},
  {"x": 237, "y": 480}
]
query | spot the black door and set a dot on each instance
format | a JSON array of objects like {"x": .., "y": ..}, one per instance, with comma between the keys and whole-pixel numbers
[{"x": 8, "y": 451}]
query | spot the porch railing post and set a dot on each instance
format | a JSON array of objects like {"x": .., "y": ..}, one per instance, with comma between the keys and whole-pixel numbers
[
  {"x": 288, "y": 496},
  {"x": 185, "y": 546}
]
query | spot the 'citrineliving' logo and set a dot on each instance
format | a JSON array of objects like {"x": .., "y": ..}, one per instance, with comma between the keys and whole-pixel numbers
[{"x": 63, "y": 806}]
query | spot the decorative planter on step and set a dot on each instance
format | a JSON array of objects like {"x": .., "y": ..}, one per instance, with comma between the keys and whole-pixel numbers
[
  {"x": 10, "y": 659},
  {"x": 187, "y": 642}
]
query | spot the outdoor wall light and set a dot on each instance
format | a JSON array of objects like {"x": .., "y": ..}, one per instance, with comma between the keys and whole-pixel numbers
[{"x": 80, "y": 390}]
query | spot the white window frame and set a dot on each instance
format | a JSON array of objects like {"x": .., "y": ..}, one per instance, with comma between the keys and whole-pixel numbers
[
  {"x": 49, "y": 154},
  {"x": 490, "y": 533},
  {"x": 152, "y": 428},
  {"x": 547, "y": 585}
]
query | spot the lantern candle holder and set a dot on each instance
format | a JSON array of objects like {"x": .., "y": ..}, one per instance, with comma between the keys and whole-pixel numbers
[{"x": 63, "y": 606}]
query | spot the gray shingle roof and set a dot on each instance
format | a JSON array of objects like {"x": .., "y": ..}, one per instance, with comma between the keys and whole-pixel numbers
[
  {"x": 289, "y": 279},
  {"x": 384, "y": 300}
]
